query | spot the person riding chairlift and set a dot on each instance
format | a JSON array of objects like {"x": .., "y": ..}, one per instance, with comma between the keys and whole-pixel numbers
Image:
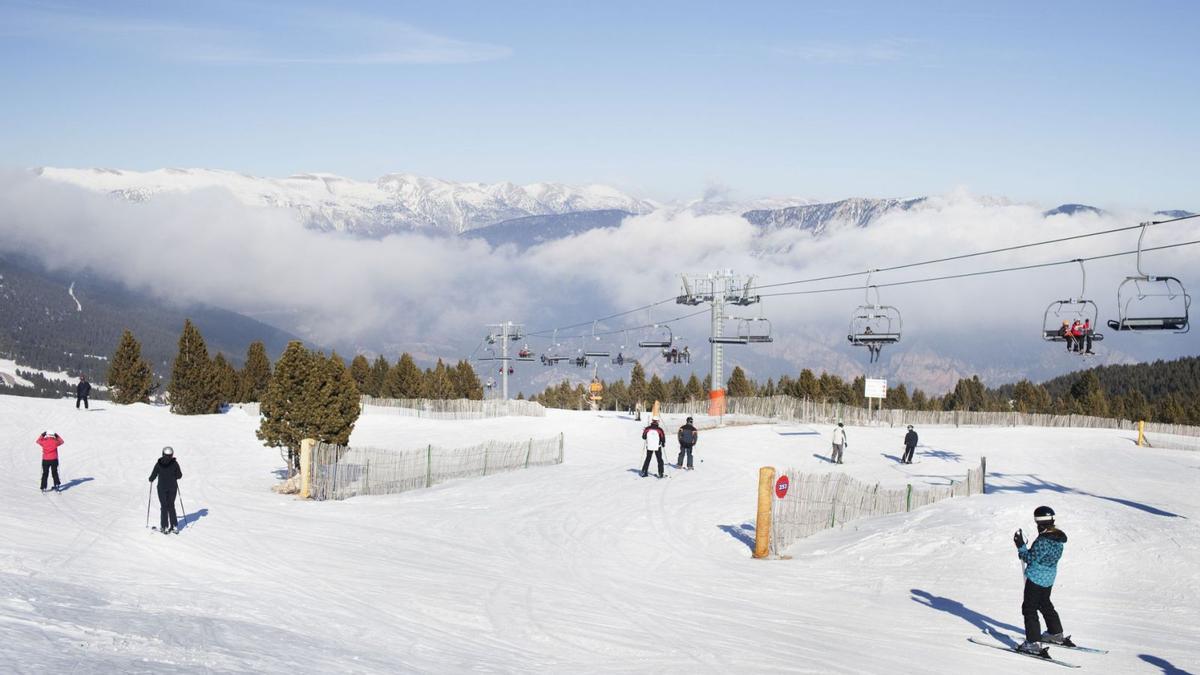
[
  {"x": 1085, "y": 342},
  {"x": 1065, "y": 333},
  {"x": 872, "y": 348},
  {"x": 1077, "y": 335}
]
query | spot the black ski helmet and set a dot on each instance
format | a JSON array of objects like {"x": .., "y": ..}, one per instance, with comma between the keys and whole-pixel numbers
[{"x": 1044, "y": 514}]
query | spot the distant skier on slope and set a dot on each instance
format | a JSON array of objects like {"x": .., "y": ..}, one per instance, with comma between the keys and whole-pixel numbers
[
  {"x": 687, "y": 440},
  {"x": 910, "y": 446},
  {"x": 1041, "y": 567},
  {"x": 839, "y": 443},
  {"x": 81, "y": 392},
  {"x": 50, "y": 443},
  {"x": 168, "y": 473},
  {"x": 657, "y": 450}
]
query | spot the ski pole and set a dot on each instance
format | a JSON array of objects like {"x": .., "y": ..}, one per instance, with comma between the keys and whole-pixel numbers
[
  {"x": 182, "y": 510},
  {"x": 149, "y": 496}
]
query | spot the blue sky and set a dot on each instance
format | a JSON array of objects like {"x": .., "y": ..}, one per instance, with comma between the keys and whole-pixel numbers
[{"x": 1065, "y": 101}]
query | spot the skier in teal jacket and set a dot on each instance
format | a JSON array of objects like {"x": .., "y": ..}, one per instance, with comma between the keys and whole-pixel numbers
[{"x": 1041, "y": 568}]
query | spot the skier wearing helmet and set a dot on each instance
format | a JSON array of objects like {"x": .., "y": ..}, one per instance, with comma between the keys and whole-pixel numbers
[
  {"x": 1041, "y": 567},
  {"x": 168, "y": 473},
  {"x": 687, "y": 440}
]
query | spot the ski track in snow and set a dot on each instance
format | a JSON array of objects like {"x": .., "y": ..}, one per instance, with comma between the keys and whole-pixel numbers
[
  {"x": 583, "y": 567},
  {"x": 71, "y": 292}
]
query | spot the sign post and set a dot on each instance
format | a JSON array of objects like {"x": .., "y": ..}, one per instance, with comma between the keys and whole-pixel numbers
[{"x": 874, "y": 389}]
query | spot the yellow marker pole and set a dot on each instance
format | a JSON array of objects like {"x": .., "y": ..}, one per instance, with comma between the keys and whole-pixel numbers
[
  {"x": 762, "y": 523},
  {"x": 306, "y": 456},
  {"x": 1141, "y": 433}
]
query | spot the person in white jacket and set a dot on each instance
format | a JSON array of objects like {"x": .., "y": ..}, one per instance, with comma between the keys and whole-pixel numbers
[{"x": 839, "y": 443}]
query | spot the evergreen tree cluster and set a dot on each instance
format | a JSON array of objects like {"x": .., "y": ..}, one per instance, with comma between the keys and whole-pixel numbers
[
  {"x": 405, "y": 379},
  {"x": 308, "y": 396},
  {"x": 1155, "y": 392},
  {"x": 199, "y": 385}
]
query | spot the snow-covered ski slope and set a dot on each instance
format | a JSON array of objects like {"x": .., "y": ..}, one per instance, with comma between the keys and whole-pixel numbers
[{"x": 583, "y": 567}]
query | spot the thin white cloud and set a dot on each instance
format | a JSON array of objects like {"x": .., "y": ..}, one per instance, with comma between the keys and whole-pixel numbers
[
  {"x": 283, "y": 37},
  {"x": 839, "y": 53}
]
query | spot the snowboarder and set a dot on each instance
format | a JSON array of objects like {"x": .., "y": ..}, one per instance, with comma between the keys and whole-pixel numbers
[
  {"x": 168, "y": 473},
  {"x": 839, "y": 443},
  {"x": 656, "y": 452},
  {"x": 81, "y": 392},
  {"x": 910, "y": 446},
  {"x": 1041, "y": 566},
  {"x": 50, "y": 443},
  {"x": 687, "y": 440}
]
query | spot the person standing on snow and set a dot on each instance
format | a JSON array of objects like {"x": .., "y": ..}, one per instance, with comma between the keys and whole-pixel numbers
[
  {"x": 168, "y": 473},
  {"x": 839, "y": 443},
  {"x": 81, "y": 392},
  {"x": 658, "y": 447},
  {"x": 50, "y": 443},
  {"x": 1041, "y": 567},
  {"x": 687, "y": 440},
  {"x": 910, "y": 446}
]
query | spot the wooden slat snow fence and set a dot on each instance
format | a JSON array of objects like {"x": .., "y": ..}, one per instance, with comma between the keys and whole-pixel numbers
[
  {"x": 821, "y": 501},
  {"x": 454, "y": 409},
  {"x": 788, "y": 409},
  {"x": 340, "y": 472}
]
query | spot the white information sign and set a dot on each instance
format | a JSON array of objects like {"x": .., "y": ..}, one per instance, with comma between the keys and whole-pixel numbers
[{"x": 875, "y": 388}]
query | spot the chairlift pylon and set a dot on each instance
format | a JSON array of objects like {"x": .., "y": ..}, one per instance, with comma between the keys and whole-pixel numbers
[{"x": 1138, "y": 295}]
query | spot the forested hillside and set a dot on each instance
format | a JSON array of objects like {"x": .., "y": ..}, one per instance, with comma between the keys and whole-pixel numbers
[{"x": 43, "y": 326}]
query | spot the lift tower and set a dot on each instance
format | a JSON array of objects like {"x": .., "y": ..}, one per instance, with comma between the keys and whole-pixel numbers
[
  {"x": 718, "y": 289},
  {"x": 501, "y": 334}
]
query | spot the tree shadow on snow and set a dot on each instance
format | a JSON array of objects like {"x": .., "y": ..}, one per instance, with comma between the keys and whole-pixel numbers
[
  {"x": 281, "y": 474},
  {"x": 983, "y": 622},
  {"x": 743, "y": 533},
  {"x": 73, "y": 482},
  {"x": 192, "y": 517},
  {"x": 1167, "y": 667},
  {"x": 934, "y": 453},
  {"x": 1028, "y": 483},
  {"x": 798, "y": 433}
]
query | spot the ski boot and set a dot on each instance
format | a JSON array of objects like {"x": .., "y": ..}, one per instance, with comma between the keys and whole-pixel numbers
[
  {"x": 1034, "y": 649},
  {"x": 644, "y": 474},
  {"x": 1058, "y": 639}
]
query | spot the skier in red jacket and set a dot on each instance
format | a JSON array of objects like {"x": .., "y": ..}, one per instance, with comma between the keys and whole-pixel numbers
[{"x": 49, "y": 443}]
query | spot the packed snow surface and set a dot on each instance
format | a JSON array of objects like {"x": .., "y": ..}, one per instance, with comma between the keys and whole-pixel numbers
[{"x": 583, "y": 567}]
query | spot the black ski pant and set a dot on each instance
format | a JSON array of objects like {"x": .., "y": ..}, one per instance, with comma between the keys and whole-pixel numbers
[
  {"x": 908, "y": 453},
  {"x": 49, "y": 466},
  {"x": 166, "y": 505},
  {"x": 82, "y": 398},
  {"x": 1037, "y": 599},
  {"x": 685, "y": 451},
  {"x": 646, "y": 464}
]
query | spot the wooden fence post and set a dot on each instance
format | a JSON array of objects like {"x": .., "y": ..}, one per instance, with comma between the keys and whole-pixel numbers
[
  {"x": 306, "y": 463},
  {"x": 762, "y": 521},
  {"x": 983, "y": 477},
  {"x": 1141, "y": 433},
  {"x": 429, "y": 465},
  {"x": 528, "y": 451},
  {"x": 908, "y": 499}
]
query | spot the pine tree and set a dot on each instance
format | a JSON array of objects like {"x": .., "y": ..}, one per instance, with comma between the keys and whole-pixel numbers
[
  {"x": 656, "y": 391},
  {"x": 255, "y": 375},
  {"x": 195, "y": 386},
  {"x": 695, "y": 392},
  {"x": 808, "y": 385},
  {"x": 738, "y": 384},
  {"x": 360, "y": 370},
  {"x": 377, "y": 381},
  {"x": 404, "y": 380},
  {"x": 897, "y": 397},
  {"x": 284, "y": 415},
  {"x": 129, "y": 376},
  {"x": 438, "y": 385},
  {"x": 637, "y": 384},
  {"x": 676, "y": 392},
  {"x": 466, "y": 382},
  {"x": 227, "y": 378},
  {"x": 332, "y": 401},
  {"x": 768, "y": 390}
]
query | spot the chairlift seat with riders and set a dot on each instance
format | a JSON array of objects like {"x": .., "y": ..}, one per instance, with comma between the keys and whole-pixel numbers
[
  {"x": 1151, "y": 302},
  {"x": 874, "y": 324},
  {"x": 1062, "y": 314}
]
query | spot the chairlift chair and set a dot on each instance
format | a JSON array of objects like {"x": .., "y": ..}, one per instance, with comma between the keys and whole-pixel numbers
[
  {"x": 660, "y": 338},
  {"x": 874, "y": 324},
  {"x": 1066, "y": 312},
  {"x": 757, "y": 330},
  {"x": 1138, "y": 295},
  {"x": 596, "y": 352},
  {"x": 525, "y": 353}
]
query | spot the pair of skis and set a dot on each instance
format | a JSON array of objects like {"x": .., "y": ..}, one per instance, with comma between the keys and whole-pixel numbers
[{"x": 1049, "y": 659}]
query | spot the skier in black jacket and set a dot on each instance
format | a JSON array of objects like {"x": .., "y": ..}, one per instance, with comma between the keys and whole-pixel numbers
[
  {"x": 81, "y": 392},
  {"x": 910, "y": 446},
  {"x": 687, "y": 440},
  {"x": 168, "y": 473}
]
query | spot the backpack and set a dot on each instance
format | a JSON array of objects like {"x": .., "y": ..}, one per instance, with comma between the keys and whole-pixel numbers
[{"x": 687, "y": 436}]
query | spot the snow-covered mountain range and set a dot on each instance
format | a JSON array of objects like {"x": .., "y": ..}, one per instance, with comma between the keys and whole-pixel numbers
[{"x": 393, "y": 203}]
